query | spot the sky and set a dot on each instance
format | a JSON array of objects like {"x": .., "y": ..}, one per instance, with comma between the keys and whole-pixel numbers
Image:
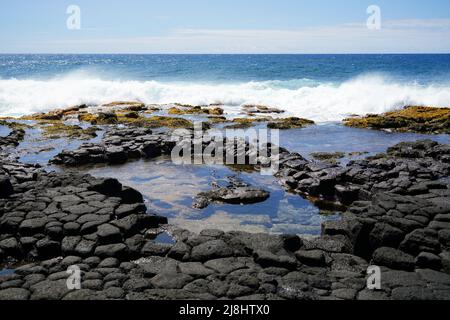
[{"x": 224, "y": 26}]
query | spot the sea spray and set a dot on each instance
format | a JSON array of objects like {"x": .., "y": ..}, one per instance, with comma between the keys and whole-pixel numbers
[{"x": 318, "y": 101}]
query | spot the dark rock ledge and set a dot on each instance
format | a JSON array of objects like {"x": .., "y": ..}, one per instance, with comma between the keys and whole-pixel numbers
[
  {"x": 409, "y": 168},
  {"x": 12, "y": 139},
  {"x": 100, "y": 226},
  {"x": 45, "y": 215},
  {"x": 120, "y": 145},
  {"x": 236, "y": 192}
]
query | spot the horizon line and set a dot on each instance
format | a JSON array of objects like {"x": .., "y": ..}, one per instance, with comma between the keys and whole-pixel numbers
[{"x": 225, "y": 53}]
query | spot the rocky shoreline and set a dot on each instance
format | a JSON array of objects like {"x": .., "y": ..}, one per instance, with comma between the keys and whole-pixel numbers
[{"x": 397, "y": 217}]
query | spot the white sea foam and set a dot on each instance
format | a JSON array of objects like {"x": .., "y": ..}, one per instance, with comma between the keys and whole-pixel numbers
[{"x": 317, "y": 101}]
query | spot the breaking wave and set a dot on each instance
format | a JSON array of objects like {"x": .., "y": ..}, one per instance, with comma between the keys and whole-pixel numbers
[{"x": 304, "y": 98}]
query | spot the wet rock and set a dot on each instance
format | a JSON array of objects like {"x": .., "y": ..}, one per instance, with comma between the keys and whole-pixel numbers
[
  {"x": 420, "y": 240},
  {"x": 6, "y": 188},
  {"x": 32, "y": 226},
  {"x": 128, "y": 209},
  {"x": 180, "y": 251},
  {"x": 292, "y": 242},
  {"x": 236, "y": 192},
  {"x": 10, "y": 247},
  {"x": 384, "y": 234},
  {"x": 47, "y": 248},
  {"x": 393, "y": 258},
  {"x": 311, "y": 257},
  {"x": 427, "y": 260}
]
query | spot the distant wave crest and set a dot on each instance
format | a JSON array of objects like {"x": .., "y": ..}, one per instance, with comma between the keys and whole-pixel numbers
[{"x": 304, "y": 98}]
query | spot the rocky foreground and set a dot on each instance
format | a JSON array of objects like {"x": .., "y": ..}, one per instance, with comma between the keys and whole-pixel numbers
[{"x": 398, "y": 218}]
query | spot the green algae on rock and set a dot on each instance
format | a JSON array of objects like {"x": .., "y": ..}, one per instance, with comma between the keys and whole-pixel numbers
[
  {"x": 289, "y": 123},
  {"x": 244, "y": 123},
  {"x": 58, "y": 114},
  {"x": 196, "y": 110},
  {"x": 127, "y": 105},
  {"x": 58, "y": 129},
  {"x": 157, "y": 122},
  {"x": 329, "y": 157},
  {"x": 410, "y": 119},
  {"x": 13, "y": 125},
  {"x": 101, "y": 118}
]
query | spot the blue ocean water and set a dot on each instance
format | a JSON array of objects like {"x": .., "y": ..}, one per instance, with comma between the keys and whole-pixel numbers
[
  {"x": 424, "y": 69},
  {"x": 321, "y": 87}
]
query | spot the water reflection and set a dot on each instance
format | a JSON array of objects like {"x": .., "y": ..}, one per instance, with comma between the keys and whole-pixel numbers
[{"x": 169, "y": 190}]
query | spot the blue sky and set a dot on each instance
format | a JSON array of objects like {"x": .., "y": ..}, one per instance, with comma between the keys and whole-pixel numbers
[{"x": 202, "y": 26}]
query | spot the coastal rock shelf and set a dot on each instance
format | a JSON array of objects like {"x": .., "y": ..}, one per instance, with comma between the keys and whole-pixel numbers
[
  {"x": 397, "y": 219},
  {"x": 236, "y": 192},
  {"x": 121, "y": 145},
  {"x": 230, "y": 265},
  {"x": 398, "y": 231},
  {"x": 411, "y": 168},
  {"x": 409, "y": 119},
  {"x": 13, "y": 139},
  {"x": 45, "y": 215},
  {"x": 118, "y": 146}
]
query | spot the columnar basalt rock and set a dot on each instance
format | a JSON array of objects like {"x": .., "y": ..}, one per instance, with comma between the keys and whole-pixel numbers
[
  {"x": 232, "y": 265},
  {"x": 397, "y": 218},
  {"x": 407, "y": 168},
  {"x": 45, "y": 215}
]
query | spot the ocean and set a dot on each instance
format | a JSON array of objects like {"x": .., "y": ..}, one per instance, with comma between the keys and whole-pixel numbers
[{"x": 324, "y": 88}]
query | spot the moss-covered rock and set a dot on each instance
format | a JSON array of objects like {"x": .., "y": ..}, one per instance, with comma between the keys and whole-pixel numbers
[
  {"x": 54, "y": 115},
  {"x": 409, "y": 119},
  {"x": 157, "y": 122},
  {"x": 102, "y": 118},
  {"x": 13, "y": 125},
  {"x": 127, "y": 105},
  {"x": 328, "y": 157},
  {"x": 217, "y": 119},
  {"x": 58, "y": 129},
  {"x": 244, "y": 123},
  {"x": 196, "y": 110},
  {"x": 289, "y": 123},
  {"x": 241, "y": 123},
  {"x": 252, "y": 109}
]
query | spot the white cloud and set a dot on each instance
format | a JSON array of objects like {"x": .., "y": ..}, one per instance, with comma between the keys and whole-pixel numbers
[{"x": 402, "y": 36}]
